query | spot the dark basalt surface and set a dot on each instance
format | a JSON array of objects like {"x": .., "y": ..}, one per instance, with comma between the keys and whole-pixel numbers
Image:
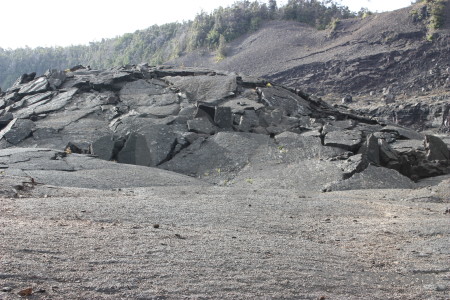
[{"x": 221, "y": 128}]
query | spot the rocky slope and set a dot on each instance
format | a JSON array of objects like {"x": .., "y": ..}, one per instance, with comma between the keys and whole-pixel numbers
[
  {"x": 164, "y": 183},
  {"x": 222, "y": 128},
  {"x": 386, "y": 53}
]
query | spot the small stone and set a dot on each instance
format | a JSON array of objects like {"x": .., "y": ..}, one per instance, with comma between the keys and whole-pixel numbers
[
  {"x": 442, "y": 288},
  {"x": 6, "y": 289},
  {"x": 156, "y": 226},
  {"x": 347, "y": 99},
  {"x": 26, "y": 292}
]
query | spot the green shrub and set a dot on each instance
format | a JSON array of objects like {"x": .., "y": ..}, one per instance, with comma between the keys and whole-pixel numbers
[
  {"x": 222, "y": 48},
  {"x": 437, "y": 13},
  {"x": 334, "y": 23}
]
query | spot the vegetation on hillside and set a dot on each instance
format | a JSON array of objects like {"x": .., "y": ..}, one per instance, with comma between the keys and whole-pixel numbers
[
  {"x": 437, "y": 12},
  {"x": 158, "y": 44},
  {"x": 432, "y": 13}
]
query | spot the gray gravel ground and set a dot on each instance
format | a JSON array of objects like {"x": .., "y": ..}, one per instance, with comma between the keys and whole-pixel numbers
[{"x": 225, "y": 243}]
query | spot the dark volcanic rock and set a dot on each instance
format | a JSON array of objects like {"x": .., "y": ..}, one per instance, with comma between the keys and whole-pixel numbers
[
  {"x": 5, "y": 118},
  {"x": 403, "y": 132},
  {"x": 17, "y": 131},
  {"x": 373, "y": 178},
  {"x": 201, "y": 125},
  {"x": 296, "y": 147},
  {"x": 240, "y": 105},
  {"x": 223, "y": 128},
  {"x": 282, "y": 98},
  {"x": 25, "y": 78},
  {"x": 218, "y": 157},
  {"x": 106, "y": 147},
  {"x": 371, "y": 150},
  {"x": 436, "y": 148},
  {"x": 421, "y": 114},
  {"x": 55, "y": 78},
  {"x": 248, "y": 121},
  {"x": 223, "y": 117},
  {"x": 209, "y": 89},
  {"x": 61, "y": 169},
  {"x": 38, "y": 85},
  {"x": 135, "y": 151},
  {"x": 149, "y": 146},
  {"x": 346, "y": 139}
]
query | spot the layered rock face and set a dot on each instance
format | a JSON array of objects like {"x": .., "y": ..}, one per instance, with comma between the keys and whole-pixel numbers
[
  {"x": 221, "y": 128},
  {"x": 432, "y": 113}
]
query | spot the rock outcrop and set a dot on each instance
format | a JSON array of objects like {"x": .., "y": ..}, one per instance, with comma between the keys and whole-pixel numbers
[
  {"x": 222, "y": 128},
  {"x": 431, "y": 113}
]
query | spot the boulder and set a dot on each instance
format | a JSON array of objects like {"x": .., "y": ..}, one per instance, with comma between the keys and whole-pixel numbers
[
  {"x": 17, "y": 131},
  {"x": 290, "y": 103},
  {"x": 403, "y": 132},
  {"x": 201, "y": 125},
  {"x": 24, "y": 78},
  {"x": 347, "y": 139},
  {"x": 405, "y": 146},
  {"x": 58, "y": 102},
  {"x": 218, "y": 157},
  {"x": 373, "y": 178},
  {"x": 106, "y": 147},
  {"x": 388, "y": 99},
  {"x": 38, "y": 85},
  {"x": 436, "y": 148},
  {"x": 223, "y": 117},
  {"x": 370, "y": 150},
  {"x": 270, "y": 117},
  {"x": 29, "y": 100},
  {"x": 135, "y": 151},
  {"x": 150, "y": 97},
  {"x": 294, "y": 147},
  {"x": 204, "y": 88},
  {"x": 425, "y": 169},
  {"x": 386, "y": 154},
  {"x": 5, "y": 118},
  {"x": 151, "y": 145},
  {"x": 248, "y": 121},
  {"x": 239, "y": 105},
  {"x": 338, "y": 126},
  {"x": 347, "y": 99},
  {"x": 354, "y": 164},
  {"x": 205, "y": 111},
  {"x": 55, "y": 78}
]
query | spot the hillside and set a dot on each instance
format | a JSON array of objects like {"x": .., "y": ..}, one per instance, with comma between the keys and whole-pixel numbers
[
  {"x": 393, "y": 50},
  {"x": 158, "y": 44}
]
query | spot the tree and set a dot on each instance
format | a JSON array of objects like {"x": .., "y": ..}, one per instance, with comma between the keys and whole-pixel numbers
[
  {"x": 222, "y": 48},
  {"x": 273, "y": 8}
]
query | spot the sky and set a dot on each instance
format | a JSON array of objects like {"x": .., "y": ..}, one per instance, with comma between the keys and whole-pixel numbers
[{"x": 48, "y": 23}]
